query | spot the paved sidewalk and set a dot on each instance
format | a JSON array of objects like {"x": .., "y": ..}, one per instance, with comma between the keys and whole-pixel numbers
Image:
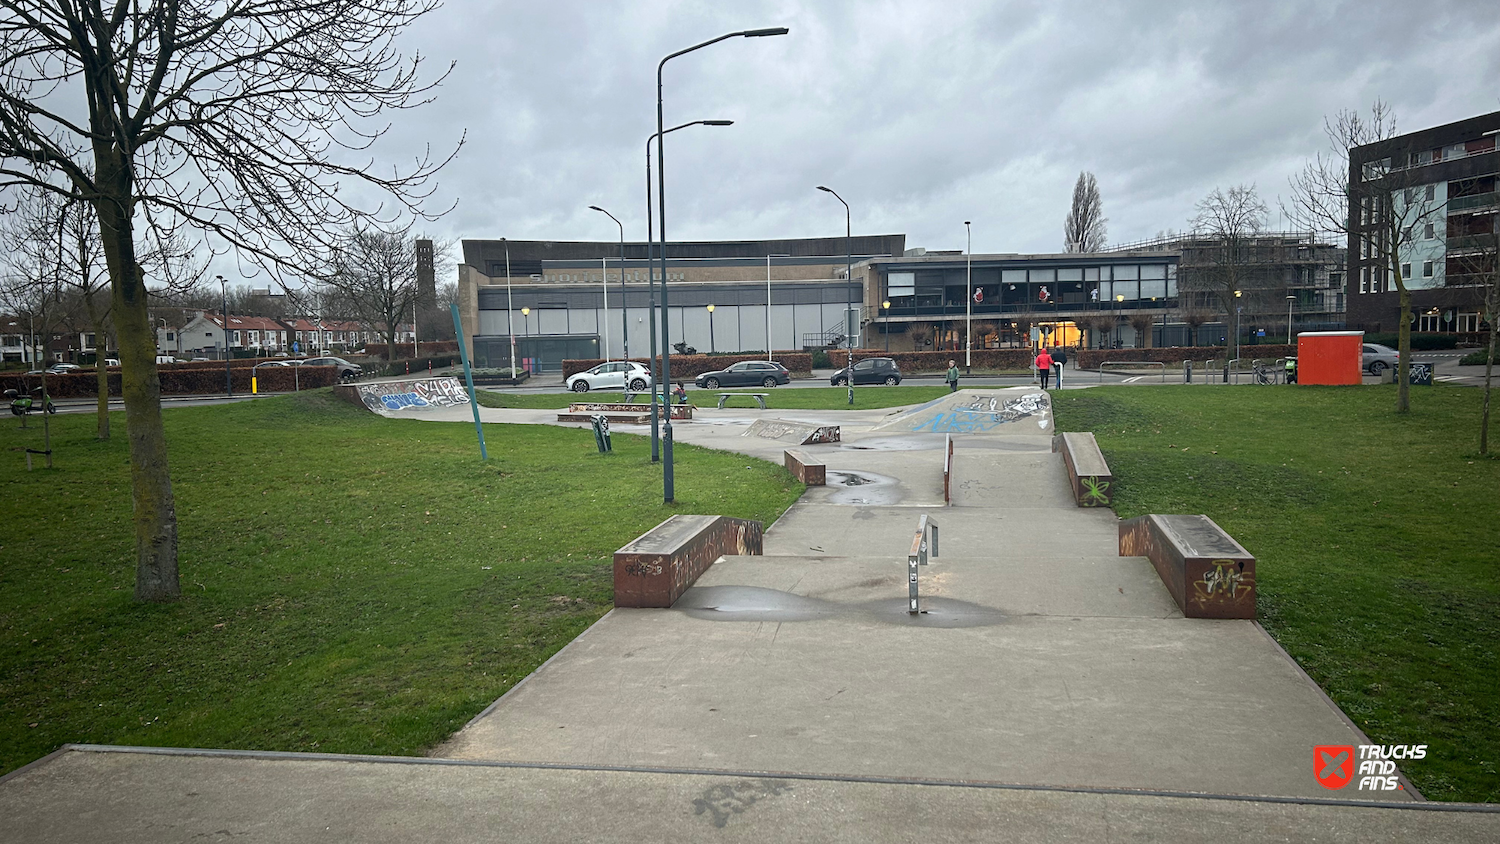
[{"x": 1052, "y": 693}]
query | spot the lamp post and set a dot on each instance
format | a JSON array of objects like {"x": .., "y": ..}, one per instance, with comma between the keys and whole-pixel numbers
[
  {"x": 1289, "y": 300},
  {"x": 886, "y": 307},
  {"x": 1119, "y": 303},
  {"x": 624, "y": 312},
  {"x": 1237, "y": 310},
  {"x": 510, "y": 307},
  {"x": 651, "y": 288},
  {"x": 968, "y": 300},
  {"x": 224, "y": 305},
  {"x": 712, "y": 346},
  {"x": 849, "y": 279},
  {"x": 526, "y": 320},
  {"x": 668, "y": 495}
]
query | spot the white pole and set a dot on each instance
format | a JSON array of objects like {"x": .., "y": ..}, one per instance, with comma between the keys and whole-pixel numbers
[
  {"x": 769, "y": 356},
  {"x": 969, "y": 300},
  {"x": 510, "y": 307},
  {"x": 604, "y": 321}
]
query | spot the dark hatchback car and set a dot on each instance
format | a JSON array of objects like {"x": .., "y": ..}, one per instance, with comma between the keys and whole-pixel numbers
[
  {"x": 869, "y": 371},
  {"x": 746, "y": 373},
  {"x": 347, "y": 371}
]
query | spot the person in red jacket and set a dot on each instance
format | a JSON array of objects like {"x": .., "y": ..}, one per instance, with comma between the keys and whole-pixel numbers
[{"x": 1043, "y": 366}]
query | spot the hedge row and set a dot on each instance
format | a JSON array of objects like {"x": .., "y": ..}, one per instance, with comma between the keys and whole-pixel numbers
[
  {"x": 1091, "y": 358},
  {"x": 911, "y": 363},
  {"x": 436, "y": 348},
  {"x": 689, "y": 366},
  {"x": 182, "y": 381},
  {"x": 1419, "y": 342},
  {"x": 416, "y": 366}
]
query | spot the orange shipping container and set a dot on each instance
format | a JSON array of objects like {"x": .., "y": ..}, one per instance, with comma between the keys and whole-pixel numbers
[{"x": 1329, "y": 357}]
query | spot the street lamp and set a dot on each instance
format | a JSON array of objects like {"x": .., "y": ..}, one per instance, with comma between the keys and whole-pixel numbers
[
  {"x": 1119, "y": 303},
  {"x": 668, "y": 496},
  {"x": 526, "y": 320},
  {"x": 1237, "y": 310},
  {"x": 1289, "y": 300},
  {"x": 712, "y": 346},
  {"x": 624, "y": 312},
  {"x": 651, "y": 289},
  {"x": 968, "y": 300},
  {"x": 886, "y": 307},
  {"x": 224, "y": 305},
  {"x": 849, "y": 279},
  {"x": 510, "y": 308}
]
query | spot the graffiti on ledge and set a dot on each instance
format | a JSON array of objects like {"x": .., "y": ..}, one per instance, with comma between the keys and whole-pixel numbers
[{"x": 398, "y": 395}]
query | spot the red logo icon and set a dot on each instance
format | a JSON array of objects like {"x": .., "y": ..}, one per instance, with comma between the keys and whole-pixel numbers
[{"x": 1333, "y": 765}]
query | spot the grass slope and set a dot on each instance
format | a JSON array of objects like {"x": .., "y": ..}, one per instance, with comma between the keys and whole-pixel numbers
[
  {"x": 1377, "y": 539},
  {"x": 350, "y": 583}
]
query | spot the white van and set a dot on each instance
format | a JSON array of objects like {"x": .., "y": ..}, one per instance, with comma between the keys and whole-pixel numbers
[{"x": 161, "y": 359}]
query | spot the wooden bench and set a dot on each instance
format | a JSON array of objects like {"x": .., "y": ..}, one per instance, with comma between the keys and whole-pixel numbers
[
  {"x": 656, "y": 568},
  {"x": 805, "y": 469},
  {"x": 760, "y": 398},
  {"x": 1088, "y": 474},
  {"x": 1208, "y": 573}
]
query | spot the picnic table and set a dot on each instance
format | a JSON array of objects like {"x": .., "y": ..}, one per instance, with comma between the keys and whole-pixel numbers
[{"x": 760, "y": 398}]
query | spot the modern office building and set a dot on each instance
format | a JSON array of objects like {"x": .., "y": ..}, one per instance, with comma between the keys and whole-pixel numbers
[
  {"x": 571, "y": 300},
  {"x": 1441, "y": 185}
]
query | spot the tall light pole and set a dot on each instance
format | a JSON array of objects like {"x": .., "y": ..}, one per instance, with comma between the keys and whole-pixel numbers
[
  {"x": 1238, "y": 309},
  {"x": 668, "y": 495},
  {"x": 224, "y": 305},
  {"x": 1289, "y": 301},
  {"x": 526, "y": 317},
  {"x": 510, "y": 307},
  {"x": 651, "y": 291},
  {"x": 712, "y": 346},
  {"x": 624, "y": 311},
  {"x": 969, "y": 299},
  {"x": 886, "y": 306},
  {"x": 848, "y": 278},
  {"x": 604, "y": 320}
]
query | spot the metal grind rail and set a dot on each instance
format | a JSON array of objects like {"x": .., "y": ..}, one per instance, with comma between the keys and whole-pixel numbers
[
  {"x": 948, "y": 472},
  {"x": 922, "y": 545}
]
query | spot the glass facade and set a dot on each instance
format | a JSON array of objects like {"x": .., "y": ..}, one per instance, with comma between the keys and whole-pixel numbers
[{"x": 1006, "y": 288}]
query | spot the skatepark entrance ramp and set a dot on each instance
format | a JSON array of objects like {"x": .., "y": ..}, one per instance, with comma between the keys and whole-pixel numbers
[
  {"x": 1014, "y": 411},
  {"x": 405, "y": 398}
]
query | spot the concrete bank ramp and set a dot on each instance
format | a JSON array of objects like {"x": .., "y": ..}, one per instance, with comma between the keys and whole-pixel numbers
[
  {"x": 406, "y": 398},
  {"x": 1018, "y": 410},
  {"x": 797, "y": 433}
]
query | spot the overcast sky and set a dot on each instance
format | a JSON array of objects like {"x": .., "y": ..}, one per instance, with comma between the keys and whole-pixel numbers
[{"x": 922, "y": 115}]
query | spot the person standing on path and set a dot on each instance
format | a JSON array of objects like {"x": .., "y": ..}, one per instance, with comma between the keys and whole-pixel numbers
[
  {"x": 952, "y": 376},
  {"x": 1043, "y": 366},
  {"x": 1059, "y": 358}
]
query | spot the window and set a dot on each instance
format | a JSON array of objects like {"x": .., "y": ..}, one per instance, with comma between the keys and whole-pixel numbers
[
  {"x": 901, "y": 284},
  {"x": 1428, "y": 232},
  {"x": 1406, "y": 269},
  {"x": 1427, "y": 269},
  {"x": 1429, "y": 192},
  {"x": 208, "y": 334},
  {"x": 1364, "y": 279}
]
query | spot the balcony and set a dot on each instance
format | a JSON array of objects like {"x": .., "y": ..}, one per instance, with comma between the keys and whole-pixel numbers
[{"x": 1470, "y": 203}]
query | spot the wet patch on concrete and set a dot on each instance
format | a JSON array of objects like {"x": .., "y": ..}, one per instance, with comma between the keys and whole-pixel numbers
[
  {"x": 896, "y": 444},
  {"x": 862, "y": 488},
  {"x": 757, "y": 603}
]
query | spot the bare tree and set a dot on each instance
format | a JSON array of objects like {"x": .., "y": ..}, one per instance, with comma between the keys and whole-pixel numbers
[
  {"x": 1372, "y": 209},
  {"x": 1226, "y": 224},
  {"x": 1481, "y": 263},
  {"x": 1084, "y": 229},
  {"x": 374, "y": 278},
  {"x": 230, "y": 120}
]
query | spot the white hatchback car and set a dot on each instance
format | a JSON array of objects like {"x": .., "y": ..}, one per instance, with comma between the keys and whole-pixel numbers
[{"x": 615, "y": 375}]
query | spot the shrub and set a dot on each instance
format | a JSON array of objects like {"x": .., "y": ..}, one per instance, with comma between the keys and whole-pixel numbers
[
  {"x": 1473, "y": 358},
  {"x": 820, "y": 359}
]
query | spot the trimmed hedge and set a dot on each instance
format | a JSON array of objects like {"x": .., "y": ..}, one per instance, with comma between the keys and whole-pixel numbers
[
  {"x": 1091, "y": 358},
  {"x": 436, "y": 348},
  {"x": 183, "y": 380},
  {"x": 689, "y": 366},
  {"x": 414, "y": 366},
  {"x": 1419, "y": 342}
]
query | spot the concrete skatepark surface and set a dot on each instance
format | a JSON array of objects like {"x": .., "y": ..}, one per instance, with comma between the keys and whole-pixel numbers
[{"x": 1052, "y": 692}]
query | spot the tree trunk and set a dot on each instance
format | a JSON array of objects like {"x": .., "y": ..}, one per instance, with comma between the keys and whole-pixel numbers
[
  {"x": 154, "y": 510},
  {"x": 1484, "y": 415},
  {"x": 100, "y": 369},
  {"x": 1403, "y": 348}
]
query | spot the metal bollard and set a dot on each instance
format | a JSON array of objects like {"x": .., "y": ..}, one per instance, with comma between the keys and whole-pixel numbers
[{"x": 1187, "y": 372}]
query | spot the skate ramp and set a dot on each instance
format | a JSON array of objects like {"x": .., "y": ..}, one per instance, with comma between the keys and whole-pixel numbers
[
  {"x": 1022, "y": 410},
  {"x": 407, "y": 397}
]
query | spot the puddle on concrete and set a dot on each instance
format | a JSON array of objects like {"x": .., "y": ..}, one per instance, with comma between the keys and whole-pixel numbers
[
  {"x": 861, "y": 488},
  {"x": 915, "y": 443},
  {"x": 757, "y": 603}
]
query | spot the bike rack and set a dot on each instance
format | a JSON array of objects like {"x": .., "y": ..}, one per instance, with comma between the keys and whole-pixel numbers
[{"x": 918, "y": 557}]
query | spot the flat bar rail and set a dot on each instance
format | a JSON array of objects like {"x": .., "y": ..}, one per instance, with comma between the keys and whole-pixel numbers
[
  {"x": 948, "y": 471},
  {"x": 923, "y": 544},
  {"x": 1161, "y": 367}
]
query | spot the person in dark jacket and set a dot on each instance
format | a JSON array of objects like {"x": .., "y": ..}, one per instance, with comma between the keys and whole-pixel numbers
[
  {"x": 952, "y": 376},
  {"x": 1059, "y": 357}
]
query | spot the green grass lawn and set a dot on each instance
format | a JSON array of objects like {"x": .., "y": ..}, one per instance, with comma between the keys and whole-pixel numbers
[
  {"x": 780, "y": 398},
  {"x": 1377, "y": 539},
  {"x": 350, "y": 583}
]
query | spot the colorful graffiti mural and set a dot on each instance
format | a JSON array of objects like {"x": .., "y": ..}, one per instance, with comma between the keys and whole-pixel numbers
[
  {"x": 984, "y": 413},
  {"x": 387, "y": 396}
]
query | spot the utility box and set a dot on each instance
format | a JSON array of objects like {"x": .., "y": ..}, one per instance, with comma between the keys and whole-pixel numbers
[{"x": 1330, "y": 357}]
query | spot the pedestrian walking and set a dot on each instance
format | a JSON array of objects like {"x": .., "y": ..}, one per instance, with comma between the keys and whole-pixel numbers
[
  {"x": 952, "y": 376},
  {"x": 1043, "y": 366},
  {"x": 1059, "y": 358}
]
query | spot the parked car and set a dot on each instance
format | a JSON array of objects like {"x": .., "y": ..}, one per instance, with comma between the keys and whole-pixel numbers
[
  {"x": 347, "y": 371},
  {"x": 63, "y": 368},
  {"x": 614, "y": 375},
  {"x": 746, "y": 373},
  {"x": 1376, "y": 358},
  {"x": 869, "y": 371}
]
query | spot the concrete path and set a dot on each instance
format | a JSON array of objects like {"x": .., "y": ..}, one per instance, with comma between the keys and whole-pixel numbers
[{"x": 1052, "y": 692}]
